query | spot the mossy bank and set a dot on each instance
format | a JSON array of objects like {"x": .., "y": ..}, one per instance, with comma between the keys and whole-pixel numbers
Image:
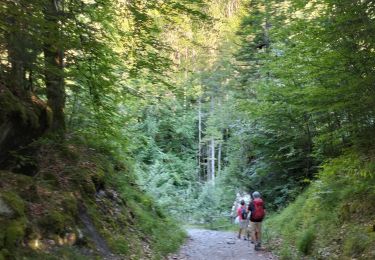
[
  {"x": 333, "y": 219},
  {"x": 82, "y": 203}
]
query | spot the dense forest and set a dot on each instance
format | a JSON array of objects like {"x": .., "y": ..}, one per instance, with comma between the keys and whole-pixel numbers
[{"x": 120, "y": 121}]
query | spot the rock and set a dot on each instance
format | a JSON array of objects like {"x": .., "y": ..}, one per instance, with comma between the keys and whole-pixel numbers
[
  {"x": 5, "y": 210},
  {"x": 80, "y": 234},
  {"x": 100, "y": 193},
  {"x": 51, "y": 242}
]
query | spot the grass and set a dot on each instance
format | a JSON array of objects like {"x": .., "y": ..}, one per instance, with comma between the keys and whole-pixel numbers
[
  {"x": 306, "y": 240},
  {"x": 332, "y": 219}
]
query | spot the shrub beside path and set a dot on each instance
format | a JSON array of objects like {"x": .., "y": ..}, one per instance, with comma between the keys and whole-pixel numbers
[{"x": 218, "y": 245}]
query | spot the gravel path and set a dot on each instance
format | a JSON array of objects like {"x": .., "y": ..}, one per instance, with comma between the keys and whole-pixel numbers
[{"x": 218, "y": 245}]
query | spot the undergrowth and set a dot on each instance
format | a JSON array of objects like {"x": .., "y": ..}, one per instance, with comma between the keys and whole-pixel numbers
[
  {"x": 333, "y": 218},
  {"x": 44, "y": 219}
]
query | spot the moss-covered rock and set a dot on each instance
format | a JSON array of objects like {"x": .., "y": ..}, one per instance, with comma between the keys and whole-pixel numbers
[
  {"x": 21, "y": 121},
  {"x": 11, "y": 104},
  {"x": 5, "y": 210},
  {"x": 15, "y": 203}
]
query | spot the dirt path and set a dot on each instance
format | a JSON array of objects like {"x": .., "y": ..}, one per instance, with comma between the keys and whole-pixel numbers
[{"x": 218, "y": 245}]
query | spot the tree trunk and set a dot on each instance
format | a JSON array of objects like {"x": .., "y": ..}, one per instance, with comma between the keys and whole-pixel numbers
[
  {"x": 186, "y": 77},
  {"x": 212, "y": 144},
  {"x": 54, "y": 67},
  {"x": 199, "y": 138},
  {"x": 208, "y": 163},
  {"x": 15, "y": 45},
  {"x": 219, "y": 159},
  {"x": 309, "y": 146},
  {"x": 212, "y": 159},
  {"x": 17, "y": 73}
]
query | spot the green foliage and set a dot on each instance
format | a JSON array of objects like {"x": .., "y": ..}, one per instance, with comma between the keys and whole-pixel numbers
[
  {"x": 270, "y": 95},
  {"x": 298, "y": 98},
  {"x": 164, "y": 233},
  {"x": 332, "y": 209}
]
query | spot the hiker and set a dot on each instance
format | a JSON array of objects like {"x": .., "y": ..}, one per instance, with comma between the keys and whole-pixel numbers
[
  {"x": 257, "y": 212},
  {"x": 242, "y": 216}
]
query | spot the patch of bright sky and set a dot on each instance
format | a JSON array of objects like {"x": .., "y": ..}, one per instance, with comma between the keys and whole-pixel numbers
[{"x": 89, "y": 1}]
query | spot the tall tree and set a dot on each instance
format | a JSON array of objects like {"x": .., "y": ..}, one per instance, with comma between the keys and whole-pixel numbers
[{"x": 54, "y": 62}]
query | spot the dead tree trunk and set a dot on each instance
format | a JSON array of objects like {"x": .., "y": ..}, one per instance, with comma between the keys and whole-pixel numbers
[
  {"x": 199, "y": 138},
  {"x": 212, "y": 148},
  {"x": 219, "y": 159},
  {"x": 212, "y": 144}
]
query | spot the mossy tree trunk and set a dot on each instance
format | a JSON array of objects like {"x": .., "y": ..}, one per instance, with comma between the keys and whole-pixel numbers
[
  {"x": 17, "y": 45},
  {"x": 54, "y": 65},
  {"x": 17, "y": 73}
]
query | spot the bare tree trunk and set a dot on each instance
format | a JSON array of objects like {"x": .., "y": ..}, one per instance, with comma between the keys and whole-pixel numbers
[
  {"x": 208, "y": 163},
  {"x": 185, "y": 76},
  {"x": 199, "y": 137},
  {"x": 309, "y": 146},
  {"x": 212, "y": 145},
  {"x": 219, "y": 159},
  {"x": 212, "y": 159},
  {"x": 54, "y": 74}
]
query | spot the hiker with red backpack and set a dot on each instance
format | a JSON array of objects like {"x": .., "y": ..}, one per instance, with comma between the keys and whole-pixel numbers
[
  {"x": 242, "y": 216},
  {"x": 257, "y": 213}
]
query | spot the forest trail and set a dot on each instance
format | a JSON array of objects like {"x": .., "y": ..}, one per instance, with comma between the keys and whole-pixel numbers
[{"x": 221, "y": 245}]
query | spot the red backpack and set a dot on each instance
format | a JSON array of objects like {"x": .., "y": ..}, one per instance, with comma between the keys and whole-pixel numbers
[{"x": 258, "y": 213}]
